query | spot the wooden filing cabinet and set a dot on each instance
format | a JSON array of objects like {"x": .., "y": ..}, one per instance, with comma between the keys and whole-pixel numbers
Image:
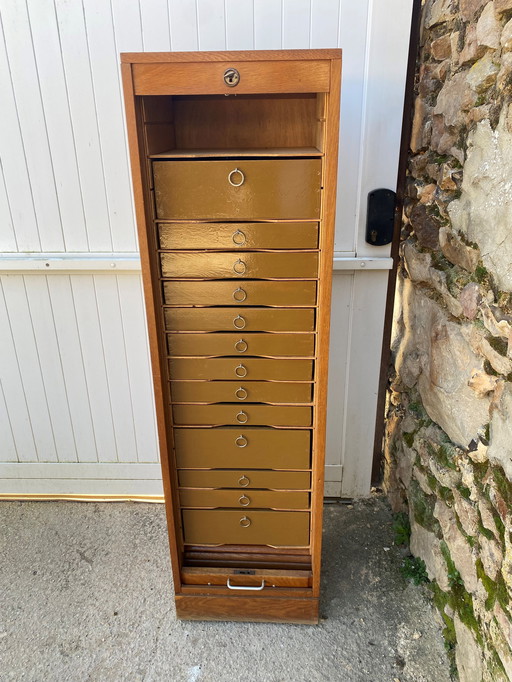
[{"x": 234, "y": 158}]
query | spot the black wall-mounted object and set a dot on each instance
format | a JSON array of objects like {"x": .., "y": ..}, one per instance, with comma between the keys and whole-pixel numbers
[{"x": 380, "y": 217}]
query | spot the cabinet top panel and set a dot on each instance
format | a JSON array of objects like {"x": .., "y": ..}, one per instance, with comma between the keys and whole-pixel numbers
[{"x": 240, "y": 55}]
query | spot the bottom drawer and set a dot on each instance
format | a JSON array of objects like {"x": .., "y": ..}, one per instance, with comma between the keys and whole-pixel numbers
[{"x": 219, "y": 527}]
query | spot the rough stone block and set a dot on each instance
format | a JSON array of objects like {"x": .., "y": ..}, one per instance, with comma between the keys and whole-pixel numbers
[
  {"x": 456, "y": 251},
  {"x": 482, "y": 75},
  {"x": 425, "y": 545},
  {"x": 460, "y": 551},
  {"x": 439, "y": 12},
  {"x": 468, "y": 8},
  {"x": 501, "y": 6},
  {"x": 500, "y": 446},
  {"x": 469, "y": 299},
  {"x": 467, "y": 513},
  {"x": 471, "y": 50},
  {"x": 441, "y": 48},
  {"x": 506, "y": 36},
  {"x": 484, "y": 211},
  {"x": 488, "y": 28},
  {"x": 491, "y": 556},
  {"x": 456, "y": 96},
  {"x": 468, "y": 655}
]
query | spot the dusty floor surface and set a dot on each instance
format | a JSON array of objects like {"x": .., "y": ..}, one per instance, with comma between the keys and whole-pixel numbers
[{"x": 85, "y": 595}]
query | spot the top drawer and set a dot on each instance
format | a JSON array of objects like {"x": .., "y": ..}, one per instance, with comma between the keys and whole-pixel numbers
[
  {"x": 243, "y": 189},
  {"x": 182, "y": 78}
]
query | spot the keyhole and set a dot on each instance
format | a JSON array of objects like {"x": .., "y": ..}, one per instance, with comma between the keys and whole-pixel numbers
[
  {"x": 231, "y": 77},
  {"x": 373, "y": 235}
]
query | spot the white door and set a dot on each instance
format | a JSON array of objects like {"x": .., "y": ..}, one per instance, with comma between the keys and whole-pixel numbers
[{"x": 76, "y": 408}]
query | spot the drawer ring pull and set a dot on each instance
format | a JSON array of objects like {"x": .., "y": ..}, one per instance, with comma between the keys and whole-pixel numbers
[
  {"x": 239, "y": 322},
  {"x": 241, "y": 442},
  {"x": 240, "y": 267},
  {"x": 244, "y": 500},
  {"x": 241, "y": 587},
  {"x": 243, "y": 481},
  {"x": 236, "y": 184},
  {"x": 242, "y": 417},
  {"x": 241, "y": 393},
  {"x": 241, "y": 371},
  {"x": 239, "y": 295},
  {"x": 241, "y": 346},
  {"x": 239, "y": 238},
  {"x": 245, "y": 522}
]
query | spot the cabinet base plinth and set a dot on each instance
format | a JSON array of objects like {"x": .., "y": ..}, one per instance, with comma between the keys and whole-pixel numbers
[{"x": 248, "y": 609}]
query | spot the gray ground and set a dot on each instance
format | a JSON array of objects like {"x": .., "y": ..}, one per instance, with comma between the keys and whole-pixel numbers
[{"x": 85, "y": 594}]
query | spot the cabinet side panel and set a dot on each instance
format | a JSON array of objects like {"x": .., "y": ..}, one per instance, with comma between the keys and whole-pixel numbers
[
  {"x": 324, "y": 306},
  {"x": 147, "y": 246}
]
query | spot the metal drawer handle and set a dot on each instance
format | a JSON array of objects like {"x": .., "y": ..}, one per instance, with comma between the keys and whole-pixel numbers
[
  {"x": 243, "y": 481},
  {"x": 244, "y": 500},
  {"x": 241, "y": 587},
  {"x": 241, "y": 371},
  {"x": 236, "y": 184},
  {"x": 239, "y": 238},
  {"x": 241, "y": 346},
  {"x": 239, "y": 322},
  {"x": 241, "y": 393},
  {"x": 242, "y": 417},
  {"x": 239, "y": 295},
  {"x": 241, "y": 442},
  {"x": 245, "y": 522},
  {"x": 240, "y": 267}
]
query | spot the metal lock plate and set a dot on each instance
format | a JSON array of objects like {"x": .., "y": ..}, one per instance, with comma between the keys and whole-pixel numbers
[{"x": 231, "y": 77}]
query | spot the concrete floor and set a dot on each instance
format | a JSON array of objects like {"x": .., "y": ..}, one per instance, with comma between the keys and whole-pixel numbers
[{"x": 85, "y": 595}]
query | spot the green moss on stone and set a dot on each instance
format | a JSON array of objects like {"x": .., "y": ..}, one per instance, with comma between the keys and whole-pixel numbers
[
  {"x": 446, "y": 494},
  {"x": 495, "y": 666},
  {"x": 498, "y": 344},
  {"x": 422, "y": 507},
  {"x": 408, "y": 439},
  {"x": 446, "y": 455},
  {"x": 432, "y": 482},
  {"x": 464, "y": 491},
  {"x": 502, "y": 484},
  {"x": 485, "y": 532}
]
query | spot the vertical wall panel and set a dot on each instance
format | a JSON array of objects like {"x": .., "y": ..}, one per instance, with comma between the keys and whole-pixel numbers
[
  {"x": 13, "y": 390},
  {"x": 89, "y": 330},
  {"x": 296, "y": 24},
  {"x": 33, "y": 124},
  {"x": 107, "y": 91},
  {"x": 155, "y": 25},
  {"x": 48, "y": 350},
  {"x": 240, "y": 24},
  {"x": 114, "y": 350},
  {"x": 75, "y": 56},
  {"x": 14, "y": 167},
  {"x": 268, "y": 18},
  {"x": 70, "y": 350},
  {"x": 324, "y": 23},
  {"x": 211, "y": 25},
  {"x": 127, "y": 25},
  {"x": 184, "y": 25},
  {"x": 8, "y": 446},
  {"x": 27, "y": 358},
  {"x": 7, "y": 236},
  {"x": 139, "y": 371},
  {"x": 43, "y": 26}
]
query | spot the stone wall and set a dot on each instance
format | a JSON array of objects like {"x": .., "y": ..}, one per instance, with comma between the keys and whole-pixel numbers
[{"x": 448, "y": 447}]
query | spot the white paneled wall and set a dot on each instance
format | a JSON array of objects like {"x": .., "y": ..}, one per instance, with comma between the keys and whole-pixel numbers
[{"x": 76, "y": 407}]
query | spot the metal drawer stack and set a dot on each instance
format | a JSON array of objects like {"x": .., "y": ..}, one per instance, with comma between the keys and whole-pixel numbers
[{"x": 240, "y": 302}]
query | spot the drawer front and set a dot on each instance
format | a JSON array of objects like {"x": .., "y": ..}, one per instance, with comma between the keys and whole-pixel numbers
[
  {"x": 269, "y": 499},
  {"x": 252, "y": 415},
  {"x": 245, "y": 478},
  {"x": 230, "y": 448},
  {"x": 265, "y": 189},
  {"x": 256, "y": 369},
  {"x": 239, "y": 265},
  {"x": 240, "y": 236},
  {"x": 219, "y": 527},
  {"x": 187, "y": 78},
  {"x": 300, "y": 345},
  {"x": 245, "y": 319},
  {"x": 240, "y": 293},
  {"x": 250, "y": 391}
]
